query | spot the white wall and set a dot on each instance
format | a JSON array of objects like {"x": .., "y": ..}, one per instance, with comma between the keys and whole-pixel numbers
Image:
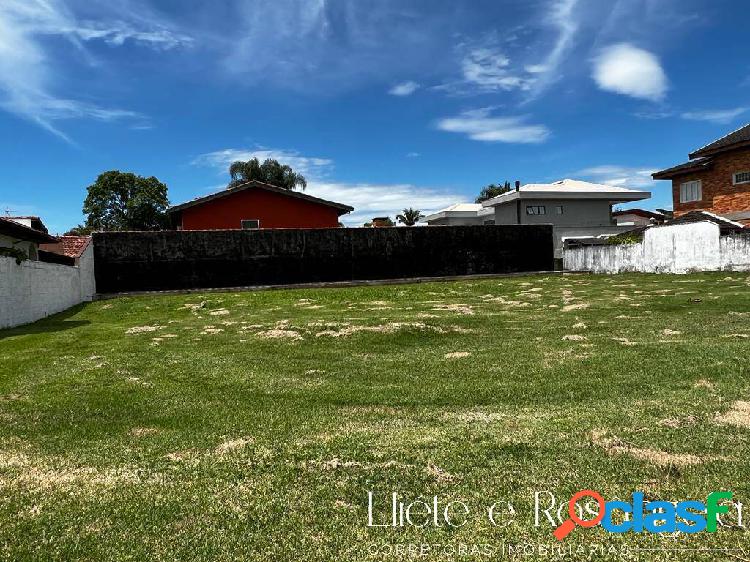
[
  {"x": 33, "y": 290},
  {"x": 667, "y": 249}
]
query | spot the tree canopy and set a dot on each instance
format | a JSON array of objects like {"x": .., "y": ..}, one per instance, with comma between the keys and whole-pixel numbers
[
  {"x": 270, "y": 171},
  {"x": 409, "y": 217},
  {"x": 124, "y": 201},
  {"x": 492, "y": 190}
]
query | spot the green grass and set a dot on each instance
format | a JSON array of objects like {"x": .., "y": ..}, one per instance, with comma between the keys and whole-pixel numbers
[{"x": 232, "y": 445}]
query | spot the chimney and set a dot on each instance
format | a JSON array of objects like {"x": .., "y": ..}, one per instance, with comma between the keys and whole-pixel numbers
[{"x": 518, "y": 185}]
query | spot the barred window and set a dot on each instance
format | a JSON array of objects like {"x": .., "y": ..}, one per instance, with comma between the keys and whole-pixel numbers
[
  {"x": 741, "y": 177},
  {"x": 536, "y": 210}
]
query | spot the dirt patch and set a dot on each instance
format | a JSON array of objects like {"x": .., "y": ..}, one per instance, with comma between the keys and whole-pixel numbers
[
  {"x": 142, "y": 329},
  {"x": 736, "y": 336},
  {"x": 668, "y": 332},
  {"x": 278, "y": 334},
  {"x": 703, "y": 383},
  {"x": 478, "y": 417},
  {"x": 625, "y": 341},
  {"x": 142, "y": 431},
  {"x": 738, "y": 415},
  {"x": 439, "y": 474},
  {"x": 676, "y": 423},
  {"x": 574, "y": 337},
  {"x": 389, "y": 328},
  {"x": 219, "y": 312},
  {"x": 615, "y": 446},
  {"x": 211, "y": 331},
  {"x": 457, "y": 355},
  {"x": 580, "y": 326},
  {"x": 577, "y": 306},
  {"x": 232, "y": 445},
  {"x": 464, "y": 309}
]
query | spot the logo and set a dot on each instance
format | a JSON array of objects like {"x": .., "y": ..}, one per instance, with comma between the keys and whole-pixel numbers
[{"x": 640, "y": 516}]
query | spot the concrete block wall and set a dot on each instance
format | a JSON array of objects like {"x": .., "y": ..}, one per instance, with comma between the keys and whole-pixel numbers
[
  {"x": 33, "y": 290},
  {"x": 668, "y": 249}
]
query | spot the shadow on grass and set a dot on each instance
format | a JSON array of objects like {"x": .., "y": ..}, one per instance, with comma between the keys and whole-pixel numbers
[{"x": 56, "y": 323}]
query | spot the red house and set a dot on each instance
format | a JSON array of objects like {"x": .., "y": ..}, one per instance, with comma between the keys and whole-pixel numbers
[{"x": 256, "y": 205}]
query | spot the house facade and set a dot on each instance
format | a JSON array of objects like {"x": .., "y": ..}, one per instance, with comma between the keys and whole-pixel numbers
[
  {"x": 18, "y": 236},
  {"x": 715, "y": 179},
  {"x": 576, "y": 209},
  {"x": 256, "y": 205}
]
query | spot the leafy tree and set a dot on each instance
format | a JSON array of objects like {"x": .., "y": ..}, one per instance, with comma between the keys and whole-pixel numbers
[
  {"x": 270, "y": 171},
  {"x": 409, "y": 216},
  {"x": 78, "y": 230},
  {"x": 492, "y": 190},
  {"x": 125, "y": 201}
]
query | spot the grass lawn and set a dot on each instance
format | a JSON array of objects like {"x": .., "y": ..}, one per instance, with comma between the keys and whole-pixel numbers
[{"x": 250, "y": 426}]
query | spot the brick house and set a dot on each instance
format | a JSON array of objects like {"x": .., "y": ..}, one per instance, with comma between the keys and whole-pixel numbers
[
  {"x": 716, "y": 179},
  {"x": 254, "y": 205}
]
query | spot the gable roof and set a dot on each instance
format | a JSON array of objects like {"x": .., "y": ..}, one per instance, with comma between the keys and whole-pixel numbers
[
  {"x": 17, "y": 230},
  {"x": 71, "y": 246},
  {"x": 701, "y": 163},
  {"x": 34, "y": 221},
  {"x": 260, "y": 185},
  {"x": 726, "y": 226},
  {"x": 569, "y": 189},
  {"x": 639, "y": 212},
  {"x": 739, "y": 137}
]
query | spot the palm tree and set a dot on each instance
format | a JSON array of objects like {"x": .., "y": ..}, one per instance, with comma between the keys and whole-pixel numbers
[
  {"x": 409, "y": 216},
  {"x": 270, "y": 171}
]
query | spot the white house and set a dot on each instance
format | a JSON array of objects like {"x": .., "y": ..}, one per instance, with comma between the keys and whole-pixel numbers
[{"x": 461, "y": 214}]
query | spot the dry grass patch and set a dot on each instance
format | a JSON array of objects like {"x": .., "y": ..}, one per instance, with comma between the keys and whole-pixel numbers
[
  {"x": 738, "y": 415},
  {"x": 457, "y": 355},
  {"x": 278, "y": 334},
  {"x": 615, "y": 446}
]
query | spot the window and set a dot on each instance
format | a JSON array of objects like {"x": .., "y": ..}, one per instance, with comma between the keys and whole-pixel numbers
[
  {"x": 691, "y": 191},
  {"x": 250, "y": 224},
  {"x": 741, "y": 177},
  {"x": 559, "y": 210},
  {"x": 536, "y": 210}
]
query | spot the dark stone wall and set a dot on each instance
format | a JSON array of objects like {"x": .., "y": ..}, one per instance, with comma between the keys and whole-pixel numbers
[{"x": 146, "y": 261}]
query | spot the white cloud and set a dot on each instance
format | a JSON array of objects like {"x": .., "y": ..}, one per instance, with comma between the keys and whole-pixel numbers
[
  {"x": 371, "y": 200},
  {"x": 489, "y": 69},
  {"x": 720, "y": 116},
  {"x": 307, "y": 166},
  {"x": 413, "y": 155},
  {"x": 368, "y": 200},
  {"x": 561, "y": 17},
  {"x": 28, "y": 74},
  {"x": 480, "y": 125},
  {"x": 620, "y": 176},
  {"x": 404, "y": 89},
  {"x": 629, "y": 70}
]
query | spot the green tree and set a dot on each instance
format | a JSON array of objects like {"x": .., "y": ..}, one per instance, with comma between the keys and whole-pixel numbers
[
  {"x": 493, "y": 190},
  {"x": 270, "y": 171},
  {"x": 79, "y": 230},
  {"x": 409, "y": 217},
  {"x": 125, "y": 201}
]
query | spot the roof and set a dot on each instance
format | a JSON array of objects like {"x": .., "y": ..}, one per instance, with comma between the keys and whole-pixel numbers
[
  {"x": 692, "y": 166},
  {"x": 569, "y": 189},
  {"x": 34, "y": 221},
  {"x": 71, "y": 246},
  {"x": 639, "y": 212},
  {"x": 460, "y": 210},
  {"x": 726, "y": 226},
  {"x": 260, "y": 185},
  {"x": 739, "y": 137},
  {"x": 17, "y": 230}
]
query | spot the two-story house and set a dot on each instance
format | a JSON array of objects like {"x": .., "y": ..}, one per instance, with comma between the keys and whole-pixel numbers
[
  {"x": 716, "y": 179},
  {"x": 576, "y": 209}
]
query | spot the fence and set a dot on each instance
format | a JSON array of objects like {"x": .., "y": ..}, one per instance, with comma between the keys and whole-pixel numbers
[
  {"x": 143, "y": 261},
  {"x": 33, "y": 289},
  {"x": 668, "y": 249}
]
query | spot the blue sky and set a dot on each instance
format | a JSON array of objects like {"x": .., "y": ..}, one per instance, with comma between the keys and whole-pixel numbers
[{"x": 382, "y": 104}]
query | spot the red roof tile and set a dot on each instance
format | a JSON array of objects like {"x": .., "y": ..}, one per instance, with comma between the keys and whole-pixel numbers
[{"x": 71, "y": 246}]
